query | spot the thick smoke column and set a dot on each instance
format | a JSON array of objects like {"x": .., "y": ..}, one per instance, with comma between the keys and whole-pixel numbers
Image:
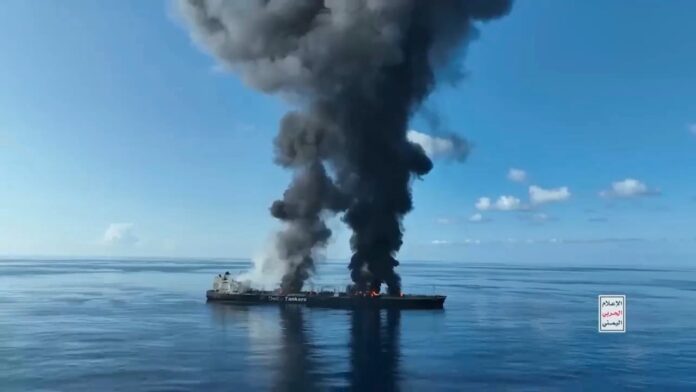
[{"x": 357, "y": 69}]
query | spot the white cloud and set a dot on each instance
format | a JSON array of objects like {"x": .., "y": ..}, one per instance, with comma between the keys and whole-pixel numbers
[
  {"x": 119, "y": 234},
  {"x": 483, "y": 204},
  {"x": 692, "y": 129},
  {"x": 466, "y": 241},
  {"x": 508, "y": 203},
  {"x": 627, "y": 188},
  {"x": 538, "y": 195},
  {"x": 517, "y": 175},
  {"x": 504, "y": 203},
  {"x": 436, "y": 147},
  {"x": 477, "y": 217}
]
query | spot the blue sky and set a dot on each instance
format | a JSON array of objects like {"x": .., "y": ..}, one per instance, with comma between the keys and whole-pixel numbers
[{"x": 119, "y": 137}]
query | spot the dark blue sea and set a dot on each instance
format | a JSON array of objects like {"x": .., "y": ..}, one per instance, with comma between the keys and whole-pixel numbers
[{"x": 143, "y": 325}]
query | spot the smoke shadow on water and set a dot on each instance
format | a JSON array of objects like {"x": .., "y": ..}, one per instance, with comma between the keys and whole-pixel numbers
[
  {"x": 374, "y": 350},
  {"x": 297, "y": 370},
  {"x": 276, "y": 350}
]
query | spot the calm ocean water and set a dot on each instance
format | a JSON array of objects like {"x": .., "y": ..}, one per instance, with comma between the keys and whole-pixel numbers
[{"x": 97, "y": 325}]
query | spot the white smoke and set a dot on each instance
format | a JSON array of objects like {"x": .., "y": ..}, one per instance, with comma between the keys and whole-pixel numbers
[{"x": 266, "y": 272}]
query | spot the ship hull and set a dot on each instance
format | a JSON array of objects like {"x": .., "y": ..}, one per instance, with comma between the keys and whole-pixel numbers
[
  {"x": 254, "y": 298},
  {"x": 342, "y": 301}
]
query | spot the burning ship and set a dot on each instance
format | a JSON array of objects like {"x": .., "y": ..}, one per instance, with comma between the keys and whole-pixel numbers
[
  {"x": 228, "y": 290},
  {"x": 356, "y": 75}
]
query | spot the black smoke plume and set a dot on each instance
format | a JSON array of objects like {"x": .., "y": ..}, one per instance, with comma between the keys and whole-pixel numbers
[{"x": 357, "y": 70}]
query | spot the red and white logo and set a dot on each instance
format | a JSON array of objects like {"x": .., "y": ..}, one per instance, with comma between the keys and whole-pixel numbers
[{"x": 612, "y": 313}]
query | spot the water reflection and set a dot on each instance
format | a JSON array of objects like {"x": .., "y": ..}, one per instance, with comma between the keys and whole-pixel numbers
[
  {"x": 282, "y": 353},
  {"x": 296, "y": 369},
  {"x": 374, "y": 350}
]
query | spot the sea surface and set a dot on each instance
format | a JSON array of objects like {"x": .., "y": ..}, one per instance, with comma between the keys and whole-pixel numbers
[{"x": 144, "y": 325}]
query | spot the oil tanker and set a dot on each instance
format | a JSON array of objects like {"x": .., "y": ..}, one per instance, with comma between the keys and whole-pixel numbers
[{"x": 227, "y": 290}]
